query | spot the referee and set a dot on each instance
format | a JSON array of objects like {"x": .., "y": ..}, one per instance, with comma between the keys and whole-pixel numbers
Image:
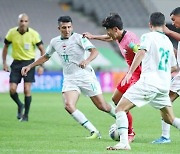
[{"x": 24, "y": 41}]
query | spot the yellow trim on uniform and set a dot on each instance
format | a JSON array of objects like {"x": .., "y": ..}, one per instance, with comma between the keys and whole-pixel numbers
[{"x": 23, "y": 46}]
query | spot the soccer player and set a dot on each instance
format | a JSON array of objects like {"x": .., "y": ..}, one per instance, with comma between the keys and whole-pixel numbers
[
  {"x": 175, "y": 84},
  {"x": 127, "y": 42},
  {"x": 158, "y": 60},
  {"x": 78, "y": 74},
  {"x": 24, "y": 40}
]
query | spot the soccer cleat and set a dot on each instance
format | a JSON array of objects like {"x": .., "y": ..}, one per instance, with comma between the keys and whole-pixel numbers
[
  {"x": 94, "y": 135},
  {"x": 131, "y": 137},
  {"x": 161, "y": 140},
  {"x": 119, "y": 146},
  {"x": 24, "y": 119},
  {"x": 20, "y": 111}
]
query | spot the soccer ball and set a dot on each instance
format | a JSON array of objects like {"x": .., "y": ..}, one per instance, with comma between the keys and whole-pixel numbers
[{"x": 113, "y": 132}]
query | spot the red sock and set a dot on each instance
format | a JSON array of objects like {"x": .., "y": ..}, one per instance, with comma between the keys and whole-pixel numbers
[{"x": 130, "y": 120}]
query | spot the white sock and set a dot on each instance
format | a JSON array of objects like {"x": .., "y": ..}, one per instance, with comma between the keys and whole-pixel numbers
[
  {"x": 80, "y": 117},
  {"x": 165, "y": 129},
  {"x": 122, "y": 124},
  {"x": 176, "y": 123},
  {"x": 112, "y": 111}
]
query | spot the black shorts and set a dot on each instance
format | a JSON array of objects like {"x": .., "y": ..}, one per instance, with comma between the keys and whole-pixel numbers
[{"x": 15, "y": 75}]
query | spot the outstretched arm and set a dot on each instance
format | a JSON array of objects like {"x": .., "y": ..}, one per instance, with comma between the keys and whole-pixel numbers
[
  {"x": 105, "y": 37},
  {"x": 171, "y": 33},
  {"x": 40, "y": 61},
  {"x": 136, "y": 62}
]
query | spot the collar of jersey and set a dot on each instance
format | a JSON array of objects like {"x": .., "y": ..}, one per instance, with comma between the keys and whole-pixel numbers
[
  {"x": 159, "y": 32},
  {"x": 24, "y": 32},
  {"x": 124, "y": 32},
  {"x": 66, "y": 38}
]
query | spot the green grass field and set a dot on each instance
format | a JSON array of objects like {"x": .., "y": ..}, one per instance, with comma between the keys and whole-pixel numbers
[{"x": 52, "y": 130}]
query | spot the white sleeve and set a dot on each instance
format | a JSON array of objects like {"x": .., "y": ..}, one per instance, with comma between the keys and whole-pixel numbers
[
  {"x": 50, "y": 50},
  {"x": 145, "y": 42},
  {"x": 85, "y": 43}
]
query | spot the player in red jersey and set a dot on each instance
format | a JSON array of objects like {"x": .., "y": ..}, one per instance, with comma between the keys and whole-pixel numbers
[{"x": 127, "y": 42}]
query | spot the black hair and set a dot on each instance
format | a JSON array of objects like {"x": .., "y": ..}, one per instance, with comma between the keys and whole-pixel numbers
[
  {"x": 176, "y": 11},
  {"x": 114, "y": 20},
  {"x": 157, "y": 19},
  {"x": 64, "y": 19}
]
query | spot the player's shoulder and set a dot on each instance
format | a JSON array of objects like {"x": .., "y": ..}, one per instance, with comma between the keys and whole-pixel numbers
[
  {"x": 55, "y": 39},
  {"x": 31, "y": 30},
  {"x": 14, "y": 29}
]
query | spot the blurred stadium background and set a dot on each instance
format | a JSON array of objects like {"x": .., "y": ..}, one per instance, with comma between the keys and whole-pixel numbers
[{"x": 87, "y": 16}]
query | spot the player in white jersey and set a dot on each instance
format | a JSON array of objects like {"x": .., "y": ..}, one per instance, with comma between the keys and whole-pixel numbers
[
  {"x": 158, "y": 59},
  {"x": 79, "y": 76},
  {"x": 175, "y": 84}
]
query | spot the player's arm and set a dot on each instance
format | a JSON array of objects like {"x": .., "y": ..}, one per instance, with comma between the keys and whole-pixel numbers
[
  {"x": 171, "y": 33},
  {"x": 40, "y": 46},
  {"x": 92, "y": 56},
  {"x": 104, "y": 37},
  {"x": 39, "y": 61},
  {"x": 136, "y": 62},
  {"x": 4, "y": 54}
]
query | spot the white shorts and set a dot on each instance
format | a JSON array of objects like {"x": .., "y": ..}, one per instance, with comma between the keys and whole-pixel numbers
[
  {"x": 175, "y": 84},
  {"x": 88, "y": 86},
  {"x": 141, "y": 94}
]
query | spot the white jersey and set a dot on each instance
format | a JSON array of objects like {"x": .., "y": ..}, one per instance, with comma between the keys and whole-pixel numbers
[
  {"x": 158, "y": 60},
  {"x": 71, "y": 51},
  {"x": 178, "y": 54}
]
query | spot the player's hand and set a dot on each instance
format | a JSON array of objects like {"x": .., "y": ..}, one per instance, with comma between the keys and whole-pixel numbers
[
  {"x": 88, "y": 35},
  {"x": 166, "y": 30},
  {"x": 83, "y": 64},
  {"x": 5, "y": 67},
  {"x": 40, "y": 70},
  {"x": 126, "y": 79},
  {"x": 25, "y": 70}
]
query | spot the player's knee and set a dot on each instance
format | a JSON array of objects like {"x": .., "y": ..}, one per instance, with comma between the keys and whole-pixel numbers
[
  {"x": 12, "y": 90},
  {"x": 69, "y": 107}
]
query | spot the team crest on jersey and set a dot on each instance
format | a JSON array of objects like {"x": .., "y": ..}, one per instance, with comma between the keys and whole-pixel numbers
[{"x": 64, "y": 46}]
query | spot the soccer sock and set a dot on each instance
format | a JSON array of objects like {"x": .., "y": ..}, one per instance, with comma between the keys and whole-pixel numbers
[
  {"x": 27, "y": 104},
  {"x": 80, "y": 117},
  {"x": 112, "y": 111},
  {"x": 15, "y": 97},
  {"x": 130, "y": 119},
  {"x": 165, "y": 129},
  {"x": 122, "y": 124},
  {"x": 176, "y": 123}
]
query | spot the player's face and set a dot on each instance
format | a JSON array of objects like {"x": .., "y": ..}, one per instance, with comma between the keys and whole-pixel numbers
[
  {"x": 175, "y": 20},
  {"x": 23, "y": 22},
  {"x": 65, "y": 29},
  {"x": 112, "y": 32}
]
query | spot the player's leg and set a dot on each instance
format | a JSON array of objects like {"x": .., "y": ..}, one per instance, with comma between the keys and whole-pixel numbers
[
  {"x": 168, "y": 116},
  {"x": 123, "y": 106},
  {"x": 27, "y": 101},
  {"x": 165, "y": 136},
  {"x": 15, "y": 79},
  {"x": 102, "y": 105},
  {"x": 115, "y": 98},
  {"x": 70, "y": 99}
]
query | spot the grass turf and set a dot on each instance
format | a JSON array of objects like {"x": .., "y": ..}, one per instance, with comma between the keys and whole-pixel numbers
[{"x": 52, "y": 130}]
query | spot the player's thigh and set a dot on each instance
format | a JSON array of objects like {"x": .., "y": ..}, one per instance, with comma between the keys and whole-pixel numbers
[
  {"x": 173, "y": 96},
  {"x": 70, "y": 97},
  {"x": 116, "y": 96},
  {"x": 124, "y": 105},
  {"x": 27, "y": 88}
]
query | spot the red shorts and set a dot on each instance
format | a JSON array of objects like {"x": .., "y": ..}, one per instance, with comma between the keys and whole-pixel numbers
[{"x": 135, "y": 77}]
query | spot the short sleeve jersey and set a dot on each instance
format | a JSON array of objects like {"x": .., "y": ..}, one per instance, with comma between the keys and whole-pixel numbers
[
  {"x": 178, "y": 54},
  {"x": 158, "y": 60},
  {"x": 71, "y": 52},
  {"x": 127, "y": 38},
  {"x": 23, "y": 45}
]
